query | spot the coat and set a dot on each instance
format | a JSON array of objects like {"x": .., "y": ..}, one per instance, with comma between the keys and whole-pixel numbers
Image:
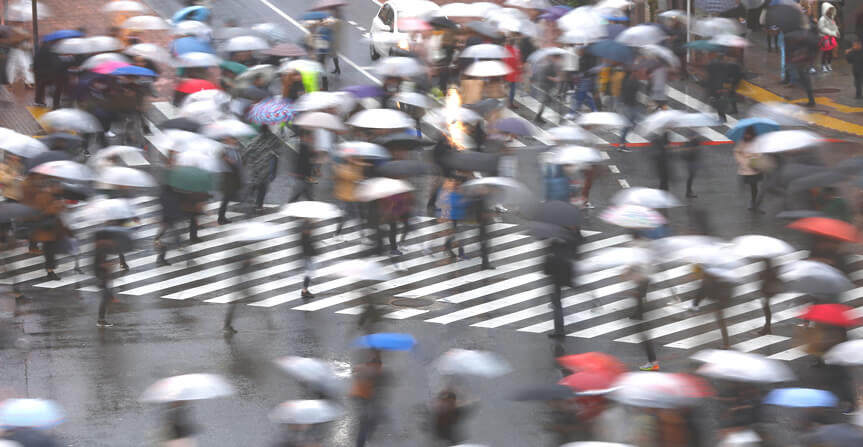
[
  {"x": 261, "y": 157},
  {"x": 232, "y": 180},
  {"x": 48, "y": 227},
  {"x": 743, "y": 155},
  {"x": 827, "y": 25},
  {"x": 513, "y": 60},
  {"x": 10, "y": 181},
  {"x": 347, "y": 176}
]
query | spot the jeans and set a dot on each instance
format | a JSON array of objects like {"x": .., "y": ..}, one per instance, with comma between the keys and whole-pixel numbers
[
  {"x": 557, "y": 307},
  {"x": 781, "y": 45},
  {"x": 858, "y": 84},
  {"x": 107, "y": 295},
  {"x": 584, "y": 94},
  {"x": 513, "y": 86}
]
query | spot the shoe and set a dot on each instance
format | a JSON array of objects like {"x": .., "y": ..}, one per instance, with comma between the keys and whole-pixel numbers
[
  {"x": 812, "y": 70},
  {"x": 755, "y": 210},
  {"x": 124, "y": 266},
  {"x": 487, "y": 267},
  {"x": 223, "y": 221},
  {"x": 395, "y": 253},
  {"x": 539, "y": 120},
  {"x": 110, "y": 134},
  {"x": 587, "y": 205},
  {"x": 162, "y": 262},
  {"x": 500, "y": 209},
  {"x": 765, "y": 331},
  {"x": 79, "y": 271},
  {"x": 229, "y": 329},
  {"x": 556, "y": 335},
  {"x": 649, "y": 366},
  {"x": 824, "y": 69},
  {"x": 52, "y": 277},
  {"x": 195, "y": 240},
  {"x": 103, "y": 323},
  {"x": 694, "y": 307},
  {"x": 623, "y": 148},
  {"x": 306, "y": 295},
  {"x": 829, "y": 67},
  {"x": 691, "y": 195},
  {"x": 809, "y": 104}
]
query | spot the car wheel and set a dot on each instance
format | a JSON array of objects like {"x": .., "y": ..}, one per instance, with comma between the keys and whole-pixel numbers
[{"x": 372, "y": 53}]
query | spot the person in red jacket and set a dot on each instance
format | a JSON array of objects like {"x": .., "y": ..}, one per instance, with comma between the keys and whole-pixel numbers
[{"x": 513, "y": 60}]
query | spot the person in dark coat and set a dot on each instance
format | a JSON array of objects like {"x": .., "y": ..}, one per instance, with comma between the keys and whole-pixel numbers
[
  {"x": 659, "y": 149},
  {"x": 304, "y": 166},
  {"x": 102, "y": 268},
  {"x": 770, "y": 286},
  {"x": 449, "y": 415},
  {"x": 46, "y": 66},
  {"x": 179, "y": 423},
  {"x": 44, "y": 194},
  {"x": 854, "y": 55},
  {"x": 558, "y": 266},
  {"x": 232, "y": 181},
  {"x": 261, "y": 162},
  {"x": 309, "y": 252}
]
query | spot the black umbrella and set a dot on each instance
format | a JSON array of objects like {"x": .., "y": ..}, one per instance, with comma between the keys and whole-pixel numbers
[
  {"x": 76, "y": 192},
  {"x": 556, "y": 212},
  {"x": 545, "y": 392},
  {"x": 443, "y": 23},
  {"x": 817, "y": 180},
  {"x": 471, "y": 161},
  {"x": 543, "y": 230},
  {"x": 794, "y": 171},
  {"x": 62, "y": 141},
  {"x": 787, "y": 17},
  {"x": 45, "y": 157},
  {"x": 405, "y": 168},
  {"x": 181, "y": 124},
  {"x": 402, "y": 140},
  {"x": 116, "y": 239},
  {"x": 484, "y": 28},
  {"x": 252, "y": 93},
  {"x": 11, "y": 211}
]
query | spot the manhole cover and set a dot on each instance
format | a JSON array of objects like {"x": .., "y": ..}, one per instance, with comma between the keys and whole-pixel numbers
[
  {"x": 826, "y": 90},
  {"x": 411, "y": 302}
]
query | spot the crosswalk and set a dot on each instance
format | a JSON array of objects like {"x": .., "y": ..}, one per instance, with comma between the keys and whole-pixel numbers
[{"x": 427, "y": 287}]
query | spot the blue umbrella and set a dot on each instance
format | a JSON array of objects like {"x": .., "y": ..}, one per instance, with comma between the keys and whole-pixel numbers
[
  {"x": 315, "y": 15},
  {"x": 197, "y": 13},
  {"x": 62, "y": 34},
  {"x": 134, "y": 70},
  {"x": 386, "y": 342},
  {"x": 612, "y": 50},
  {"x": 761, "y": 125},
  {"x": 190, "y": 44},
  {"x": 31, "y": 413},
  {"x": 801, "y": 398}
]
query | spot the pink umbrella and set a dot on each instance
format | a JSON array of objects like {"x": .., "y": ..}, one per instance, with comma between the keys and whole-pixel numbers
[
  {"x": 108, "y": 67},
  {"x": 413, "y": 24}
]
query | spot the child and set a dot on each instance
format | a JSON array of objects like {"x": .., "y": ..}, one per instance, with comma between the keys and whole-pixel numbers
[{"x": 855, "y": 59}]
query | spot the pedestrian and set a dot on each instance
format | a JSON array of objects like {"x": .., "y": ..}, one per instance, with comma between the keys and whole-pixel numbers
[
  {"x": 48, "y": 70},
  {"x": 232, "y": 181},
  {"x": 396, "y": 209},
  {"x": 245, "y": 269},
  {"x": 721, "y": 291},
  {"x": 367, "y": 390},
  {"x": 513, "y": 61},
  {"x": 639, "y": 273},
  {"x": 19, "y": 59},
  {"x": 630, "y": 108},
  {"x": 103, "y": 245},
  {"x": 192, "y": 205},
  {"x": 723, "y": 76},
  {"x": 449, "y": 415},
  {"x": 547, "y": 77},
  {"x": 690, "y": 153},
  {"x": 585, "y": 82},
  {"x": 179, "y": 428},
  {"x": 260, "y": 159},
  {"x": 483, "y": 218},
  {"x": 558, "y": 266},
  {"x": 451, "y": 205},
  {"x": 854, "y": 55},
  {"x": 829, "y": 33},
  {"x": 659, "y": 149},
  {"x": 335, "y": 23},
  {"x": 11, "y": 178},
  {"x": 744, "y": 156},
  {"x": 172, "y": 213},
  {"x": 44, "y": 194},
  {"x": 304, "y": 166},
  {"x": 802, "y": 50},
  {"x": 346, "y": 175},
  {"x": 307, "y": 244},
  {"x": 770, "y": 286},
  {"x": 322, "y": 38}
]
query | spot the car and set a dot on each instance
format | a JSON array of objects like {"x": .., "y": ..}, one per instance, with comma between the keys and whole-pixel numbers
[{"x": 384, "y": 32}]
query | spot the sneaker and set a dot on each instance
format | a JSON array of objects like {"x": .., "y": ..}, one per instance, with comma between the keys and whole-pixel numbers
[
  {"x": 623, "y": 148},
  {"x": 812, "y": 70},
  {"x": 124, "y": 266},
  {"x": 588, "y": 205},
  {"x": 52, "y": 277},
  {"x": 649, "y": 366},
  {"x": 110, "y": 134},
  {"x": 829, "y": 67},
  {"x": 306, "y": 295},
  {"x": 338, "y": 238},
  {"x": 395, "y": 253},
  {"x": 229, "y": 329},
  {"x": 500, "y": 209},
  {"x": 694, "y": 307},
  {"x": 223, "y": 221},
  {"x": 824, "y": 69},
  {"x": 103, "y": 323}
]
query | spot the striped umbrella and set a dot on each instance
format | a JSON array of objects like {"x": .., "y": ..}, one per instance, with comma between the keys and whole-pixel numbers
[{"x": 271, "y": 111}]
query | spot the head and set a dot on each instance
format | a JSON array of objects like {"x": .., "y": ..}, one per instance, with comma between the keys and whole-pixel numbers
[
  {"x": 749, "y": 134},
  {"x": 447, "y": 398}
]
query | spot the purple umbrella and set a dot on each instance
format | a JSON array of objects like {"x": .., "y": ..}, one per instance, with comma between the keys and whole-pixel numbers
[
  {"x": 364, "y": 91},
  {"x": 555, "y": 12},
  {"x": 513, "y": 125}
]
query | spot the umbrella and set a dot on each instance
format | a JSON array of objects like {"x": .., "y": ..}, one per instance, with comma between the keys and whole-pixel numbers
[
  {"x": 285, "y": 50},
  {"x": 109, "y": 66},
  {"x": 760, "y": 246},
  {"x": 586, "y": 381},
  {"x": 308, "y": 370},
  {"x": 759, "y": 125},
  {"x": 271, "y": 111},
  {"x": 816, "y": 180},
  {"x": 217, "y": 98},
  {"x": 586, "y": 19},
  {"x": 306, "y": 412},
  {"x": 245, "y": 43},
  {"x": 405, "y": 168},
  {"x": 362, "y": 149},
  {"x": 667, "y": 246},
  {"x": 61, "y": 34},
  {"x": 506, "y": 184},
  {"x": 730, "y": 40},
  {"x": 556, "y": 212},
  {"x": 315, "y": 15},
  {"x": 482, "y": 28},
  {"x": 181, "y": 123},
  {"x": 577, "y": 37},
  {"x": 191, "y": 86},
  {"x": 827, "y": 227},
  {"x": 784, "y": 114},
  {"x": 413, "y": 25},
  {"x": 311, "y": 210},
  {"x": 382, "y": 119},
  {"x": 543, "y": 230},
  {"x": 64, "y": 169},
  {"x": 190, "y": 179},
  {"x": 471, "y": 161},
  {"x": 23, "y": 11},
  {"x": 715, "y": 26},
  {"x": 412, "y": 99},
  {"x": 187, "y": 387},
  {"x": 640, "y": 35},
  {"x": 649, "y": 197},
  {"x": 103, "y": 44},
  {"x": 197, "y": 59},
  {"x": 22, "y": 145},
  {"x": 574, "y": 155},
  {"x": 191, "y": 28},
  {"x": 386, "y": 341},
  {"x": 255, "y": 231},
  {"x": 196, "y": 12},
  {"x": 484, "y": 51},
  {"x": 205, "y": 112},
  {"x": 592, "y": 361},
  {"x": 399, "y": 67},
  {"x": 848, "y": 353},
  {"x": 380, "y": 188},
  {"x": 132, "y": 70},
  {"x": 554, "y": 12},
  {"x": 146, "y": 23},
  {"x": 45, "y": 157},
  {"x": 513, "y": 125},
  {"x": 736, "y": 366},
  {"x": 320, "y": 120},
  {"x": 658, "y": 121},
  {"x": 11, "y": 211},
  {"x": 232, "y": 128},
  {"x": 801, "y": 398},
  {"x": 603, "y": 119},
  {"x": 121, "y": 239},
  {"x": 272, "y": 32},
  {"x": 570, "y": 135},
  {"x": 364, "y": 91},
  {"x": 190, "y": 44},
  {"x": 662, "y": 53},
  {"x": 596, "y": 444},
  {"x": 324, "y": 100},
  {"x": 831, "y": 314},
  {"x": 131, "y": 156},
  {"x": 75, "y": 45},
  {"x": 99, "y": 59},
  {"x": 303, "y": 66},
  {"x": 785, "y": 140},
  {"x": 472, "y": 363},
  {"x": 196, "y": 158},
  {"x": 124, "y": 6},
  {"x": 30, "y": 413},
  {"x": 613, "y": 257},
  {"x": 546, "y": 392},
  {"x": 234, "y": 67},
  {"x": 787, "y": 17},
  {"x": 107, "y": 210},
  {"x": 442, "y": 23},
  {"x": 609, "y": 49},
  {"x": 361, "y": 270},
  {"x": 127, "y": 177},
  {"x": 488, "y": 69},
  {"x": 655, "y": 390},
  {"x": 632, "y": 216}
]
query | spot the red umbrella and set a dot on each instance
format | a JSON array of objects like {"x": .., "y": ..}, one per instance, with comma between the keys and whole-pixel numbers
[
  {"x": 589, "y": 381},
  {"x": 832, "y": 314},
  {"x": 592, "y": 361},
  {"x": 108, "y": 67},
  {"x": 194, "y": 85},
  {"x": 825, "y": 226}
]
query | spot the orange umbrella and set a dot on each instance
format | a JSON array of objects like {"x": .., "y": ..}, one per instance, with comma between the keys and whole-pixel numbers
[
  {"x": 592, "y": 361},
  {"x": 825, "y": 226},
  {"x": 832, "y": 314}
]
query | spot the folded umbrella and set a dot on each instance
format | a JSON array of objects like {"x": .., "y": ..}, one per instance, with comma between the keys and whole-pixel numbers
[
  {"x": 611, "y": 50},
  {"x": 556, "y": 212},
  {"x": 386, "y": 341},
  {"x": 30, "y": 413},
  {"x": 649, "y": 197},
  {"x": 311, "y": 210},
  {"x": 801, "y": 398},
  {"x": 472, "y": 363},
  {"x": 380, "y": 188},
  {"x": 832, "y": 314},
  {"x": 306, "y": 412},
  {"x": 471, "y": 161},
  {"x": 187, "y": 387},
  {"x": 827, "y": 227}
]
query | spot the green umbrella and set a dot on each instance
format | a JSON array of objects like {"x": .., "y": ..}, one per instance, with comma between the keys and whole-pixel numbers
[
  {"x": 232, "y": 66},
  {"x": 190, "y": 179},
  {"x": 703, "y": 45}
]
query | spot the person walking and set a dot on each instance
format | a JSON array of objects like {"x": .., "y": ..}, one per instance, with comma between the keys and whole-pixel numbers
[
  {"x": 513, "y": 61},
  {"x": 451, "y": 206},
  {"x": 630, "y": 108},
  {"x": 309, "y": 252},
  {"x": 854, "y": 56},
  {"x": 347, "y": 175},
  {"x": 448, "y": 417},
  {"x": 335, "y": 23},
  {"x": 585, "y": 83},
  {"x": 547, "y": 76},
  {"x": 744, "y": 156},
  {"x": 367, "y": 390},
  {"x": 483, "y": 218},
  {"x": 639, "y": 273},
  {"x": 721, "y": 290},
  {"x": 829, "y": 32},
  {"x": 304, "y": 166},
  {"x": 659, "y": 149},
  {"x": 558, "y": 267},
  {"x": 770, "y": 286},
  {"x": 261, "y": 160},
  {"x": 232, "y": 181},
  {"x": 245, "y": 269},
  {"x": 690, "y": 154},
  {"x": 103, "y": 245},
  {"x": 44, "y": 194}
]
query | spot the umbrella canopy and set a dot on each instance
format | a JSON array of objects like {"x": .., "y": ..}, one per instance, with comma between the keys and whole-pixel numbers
[
  {"x": 402, "y": 141},
  {"x": 146, "y": 23},
  {"x": 612, "y": 50},
  {"x": 187, "y": 387},
  {"x": 124, "y": 6},
  {"x": 543, "y": 230},
  {"x": 61, "y": 34},
  {"x": 482, "y": 28},
  {"x": 827, "y": 227},
  {"x": 263, "y": 73},
  {"x": 181, "y": 123},
  {"x": 471, "y": 161},
  {"x": 45, "y": 157},
  {"x": 361, "y": 270},
  {"x": 285, "y": 50},
  {"x": 661, "y": 53},
  {"x": 255, "y": 231},
  {"x": 362, "y": 149},
  {"x": 307, "y": 370},
  {"x": 649, "y": 197},
  {"x": 570, "y": 135},
  {"x": 64, "y": 169},
  {"x": 305, "y": 412},
  {"x": 208, "y": 161},
  {"x": 382, "y": 119},
  {"x": 405, "y": 168},
  {"x": 233, "y": 67},
  {"x": 760, "y": 246},
  {"x": 271, "y": 111},
  {"x": 386, "y": 341},
  {"x": 603, "y": 119},
  {"x": 364, "y": 91},
  {"x": 441, "y": 22},
  {"x": 586, "y": 381},
  {"x": 586, "y": 19},
  {"x": 849, "y": 353},
  {"x": 632, "y": 216},
  {"x": 126, "y": 177},
  {"x": 106, "y": 210},
  {"x": 303, "y": 66},
  {"x": 23, "y": 11},
  {"x": 196, "y": 12},
  {"x": 556, "y": 212},
  {"x": 412, "y": 99},
  {"x": 472, "y": 363},
  {"x": 245, "y": 43},
  {"x": 149, "y": 51},
  {"x": 10, "y": 211},
  {"x": 513, "y": 125},
  {"x": 380, "y": 187},
  {"x": 108, "y": 66},
  {"x": 320, "y": 120},
  {"x": 703, "y": 45},
  {"x": 739, "y": 366},
  {"x": 133, "y": 70},
  {"x": 314, "y": 15},
  {"x": 131, "y": 156},
  {"x": 190, "y": 179},
  {"x": 787, "y": 17},
  {"x": 272, "y": 32},
  {"x": 659, "y": 121},
  {"x": 399, "y": 67},
  {"x": 831, "y": 314},
  {"x": 75, "y": 45},
  {"x": 574, "y": 155},
  {"x": 640, "y": 35},
  {"x": 784, "y": 114},
  {"x": 545, "y": 393},
  {"x": 488, "y": 69},
  {"x": 189, "y": 44},
  {"x": 99, "y": 59},
  {"x": 323, "y": 100},
  {"x": 22, "y": 145},
  {"x": 232, "y": 128},
  {"x": 654, "y": 390},
  {"x": 730, "y": 40},
  {"x": 102, "y": 44},
  {"x": 592, "y": 361},
  {"x": 759, "y": 125},
  {"x": 715, "y": 26},
  {"x": 785, "y": 140},
  {"x": 191, "y": 28},
  {"x": 484, "y": 51},
  {"x": 801, "y": 398},
  {"x": 506, "y": 184},
  {"x": 667, "y": 246},
  {"x": 413, "y": 25},
  {"x": 197, "y": 59},
  {"x": 311, "y": 210},
  {"x": 30, "y": 413}
]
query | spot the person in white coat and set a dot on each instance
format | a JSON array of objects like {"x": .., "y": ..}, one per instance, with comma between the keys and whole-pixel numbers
[{"x": 829, "y": 31}]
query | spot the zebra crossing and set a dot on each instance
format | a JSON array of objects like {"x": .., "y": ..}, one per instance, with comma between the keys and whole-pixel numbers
[{"x": 428, "y": 288}]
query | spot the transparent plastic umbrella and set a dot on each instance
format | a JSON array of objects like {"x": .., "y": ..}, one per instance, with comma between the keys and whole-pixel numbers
[
  {"x": 149, "y": 51},
  {"x": 188, "y": 387},
  {"x": 125, "y": 177},
  {"x": 739, "y": 366},
  {"x": 380, "y": 187},
  {"x": 256, "y": 231},
  {"x": 306, "y": 412},
  {"x": 197, "y": 59},
  {"x": 146, "y": 23},
  {"x": 30, "y": 413},
  {"x": 649, "y": 197},
  {"x": 124, "y": 6},
  {"x": 99, "y": 59},
  {"x": 760, "y": 246},
  {"x": 487, "y": 69},
  {"x": 102, "y": 44},
  {"x": 472, "y": 363},
  {"x": 603, "y": 119},
  {"x": 64, "y": 169},
  {"x": 245, "y": 43},
  {"x": 320, "y": 120},
  {"x": 484, "y": 51},
  {"x": 105, "y": 210},
  {"x": 190, "y": 27},
  {"x": 400, "y": 67},
  {"x": 74, "y": 120},
  {"x": 232, "y": 128},
  {"x": 311, "y": 210},
  {"x": 21, "y": 145},
  {"x": 382, "y": 119}
]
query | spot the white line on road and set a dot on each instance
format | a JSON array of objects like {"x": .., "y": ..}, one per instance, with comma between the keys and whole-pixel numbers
[
  {"x": 623, "y": 183},
  {"x": 614, "y": 169}
]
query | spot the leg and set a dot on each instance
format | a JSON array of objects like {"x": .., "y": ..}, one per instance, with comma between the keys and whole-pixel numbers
[
  {"x": 513, "y": 86},
  {"x": 483, "y": 246},
  {"x": 103, "y": 303},
  {"x": 557, "y": 308},
  {"x": 588, "y": 183},
  {"x": 768, "y": 315},
  {"x": 223, "y": 208},
  {"x": 49, "y": 250},
  {"x": 307, "y": 280},
  {"x": 123, "y": 264},
  {"x": 336, "y": 70},
  {"x": 229, "y": 318},
  {"x": 649, "y": 350},
  {"x": 858, "y": 85},
  {"x": 58, "y": 95},
  {"x": 406, "y": 228},
  {"x": 720, "y": 320},
  {"x": 261, "y": 194},
  {"x": 640, "y": 296},
  {"x": 753, "y": 193},
  {"x": 692, "y": 167},
  {"x": 193, "y": 229},
  {"x": 39, "y": 95},
  {"x": 391, "y": 236}
]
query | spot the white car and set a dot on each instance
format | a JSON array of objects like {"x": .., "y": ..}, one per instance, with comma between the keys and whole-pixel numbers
[{"x": 384, "y": 32}]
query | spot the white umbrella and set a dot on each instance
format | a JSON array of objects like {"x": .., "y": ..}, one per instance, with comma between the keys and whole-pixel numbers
[
  {"x": 64, "y": 169},
  {"x": 577, "y": 37},
  {"x": 815, "y": 278},
  {"x": 99, "y": 59},
  {"x": 760, "y": 246},
  {"x": 443, "y": 116},
  {"x": 472, "y": 363},
  {"x": 106, "y": 210},
  {"x": 528, "y": 4},
  {"x": 640, "y": 35},
  {"x": 75, "y": 45},
  {"x": 197, "y": 59},
  {"x": 313, "y": 101},
  {"x": 182, "y": 141},
  {"x": 218, "y": 97},
  {"x": 305, "y": 412},
  {"x": 311, "y": 210},
  {"x": 382, "y": 119},
  {"x": 730, "y": 40},
  {"x": 658, "y": 121},
  {"x": 74, "y": 120},
  {"x": 586, "y": 19},
  {"x": 570, "y": 135},
  {"x": 308, "y": 370},
  {"x": 485, "y": 8},
  {"x": 123, "y": 176},
  {"x": 399, "y": 67},
  {"x": 232, "y": 128},
  {"x": 458, "y": 10},
  {"x": 271, "y": 32},
  {"x": 380, "y": 187},
  {"x": 201, "y": 160},
  {"x": 785, "y": 140},
  {"x": 673, "y": 14},
  {"x": 784, "y": 114},
  {"x": 495, "y": 182},
  {"x": 632, "y": 216},
  {"x": 261, "y": 72},
  {"x": 21, "y": 145},
  {"x": 124, "y": 6},
  {"x": 668, "y": 246},
  {"x": 362, "y": 270},
  {"x": 849, "y": 353},
  {"x": 255, "y": 231},
  {"x": 574, "y": 155},
  {"x": 715, "y": 26},
  {"x": 146, "y": 23},
  {"x": 650, "y": 389},
  {"x": 412, "y": 99},
  {"x": 245, "y": 43},
  {"x": 596, "y": 444},
  {"x": 543, "y": 53},
  {"x": 204, "y": 112},
  {"x": 29, "y": 413},
  {"x": 103, "y": 44},
  {"x": 662, "y": 53},
  {"x": 614, "y": 257},
  {"x": 649, "y": 197},
  {"x": 362, "y": 149},
  {"x": 131, "y": 156},
  {"x": 695, "y": 119},
  {"x": 191, "y": 27},
  {"x": 23, "y": 11},
  {"x": 603, "y": 119},
  {"x": 187, "y": 387},
  {"x": 484, "y": 51},
  {"x": 320, "y": 120},
  {"x": 739, "y": 366},
  {"x": 488, "y": 69},
  {"x": 149, "y": 51}
]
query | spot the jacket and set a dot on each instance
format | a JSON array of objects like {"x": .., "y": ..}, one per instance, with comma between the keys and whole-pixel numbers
[
  {"x": 346, "y": 177},
  {"x": 513, "y": 60},
  {"x": 48, "y": 227},
  {"x": 10, "y": 181},
  {"x": 743, "y": 155},
  {"x": 855, "y": 59},
  {"x": 827, "y": 25}
]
